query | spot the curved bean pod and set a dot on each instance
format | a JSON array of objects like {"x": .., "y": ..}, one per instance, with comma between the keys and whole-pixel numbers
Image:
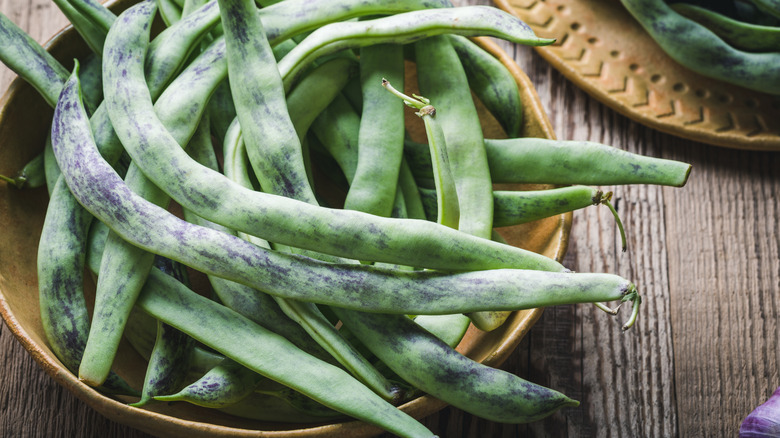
[
  {"x": 269, "y": 139},
  {"x": 269, "y": 135},
  {"x": 448, "y": 206},
  {"x": 697, "y": 48},
  {"x": 64, "y": 313},
  {"x": 739, "y": 34},
  {"x": 224, "y": 385},
  {"x": 405, "y": 28},
  {"x": 316, "y": 91},
  {"x": 462, "y": 131},
  {"x": 92, "y": 35},
  {"x": 31, "y": 175},
  {"x": 337, "y": 128},
  {"x": 97, "y": 13},
  {"x": 432, "y": 366}
]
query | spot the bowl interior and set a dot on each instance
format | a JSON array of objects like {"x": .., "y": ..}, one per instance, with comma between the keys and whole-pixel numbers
[{"x": 24, "y": 122}]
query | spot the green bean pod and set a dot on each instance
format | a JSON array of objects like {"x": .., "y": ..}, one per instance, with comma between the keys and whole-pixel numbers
[
  {"x": 492, "y": 83},
  {"x": 699, "y": 49},
  {"x": 224, "y": 385},
  {"x": 269, "y": 138},
  {"x": 124, "y": 268},
  {"x": 317, "y": 90},
  {"x": 92, "y": 35},
  {"x": 271, "y": 355},
  {"x": 564, "y": 162},
  {"x": 337, "y": 128},
  {"x": 269, "y": 135},
  {"x": 448, "y": 206},
  {"x": 434, "y": 367},
  {"x": 23, "y": 55},
  {"x": 464, "y": 143},
  {"x": 739, "y": 34},
  {"x": 515, "y": 207},
  {"x": 99, "y": 15},
  {"x": 170, "y": 11},
  {"x": 406, "y": 28},
  {"x": 769, "y": 7},
  {"x": 173, "y": 46},
  {"x": 380, "y": 138},
  {"x": 280, "y": 408},
  {"x": 169, "y": 360},
  {"x": 31, "y": 175},
  {"x": 61, "y": 253}
]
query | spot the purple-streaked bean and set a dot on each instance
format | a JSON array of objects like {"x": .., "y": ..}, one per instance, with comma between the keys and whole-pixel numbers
[
  {"x": 169, "y": 361},
  {"x": 23, "y": 55},
  {"x": 271, "y": 142},
  {"x": 61, "y": 253},
  {"x": 272, "y": 356},
  {"x": 429, "y": 364},
  {"x": 355, "y": 286},
  {"x": 226, "y": 384},
  {"x": 272, "y": 145}
]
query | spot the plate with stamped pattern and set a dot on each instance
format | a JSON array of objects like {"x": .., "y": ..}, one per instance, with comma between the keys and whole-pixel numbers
[{"x": 603, "y": 50}]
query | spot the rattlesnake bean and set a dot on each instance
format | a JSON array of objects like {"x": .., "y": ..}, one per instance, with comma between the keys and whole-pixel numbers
[{"x": 405, "y": 28}]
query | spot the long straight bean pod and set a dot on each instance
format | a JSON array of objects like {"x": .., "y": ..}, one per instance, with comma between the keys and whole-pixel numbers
[
  {"x": 514, "y": 207},
  {"x": 547, "y": 161}
]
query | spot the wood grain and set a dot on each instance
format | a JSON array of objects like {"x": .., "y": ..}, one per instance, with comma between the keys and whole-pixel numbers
[{"x": 705, "y": 351}]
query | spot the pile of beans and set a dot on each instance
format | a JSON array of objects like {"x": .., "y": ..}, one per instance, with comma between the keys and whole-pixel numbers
[
  {"x": 737, "y": 41},
  {"x": 226, "y": 114}
]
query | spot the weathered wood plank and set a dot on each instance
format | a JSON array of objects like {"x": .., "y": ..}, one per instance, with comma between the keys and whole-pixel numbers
[{"x": 707, "y": 258}]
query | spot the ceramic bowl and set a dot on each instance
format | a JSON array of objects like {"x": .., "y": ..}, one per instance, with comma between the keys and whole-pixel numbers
[{"x": 24, "y": 119}]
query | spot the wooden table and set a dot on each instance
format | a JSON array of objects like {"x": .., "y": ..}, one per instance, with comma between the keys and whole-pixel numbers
[{"x": 706, "y": 348}]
